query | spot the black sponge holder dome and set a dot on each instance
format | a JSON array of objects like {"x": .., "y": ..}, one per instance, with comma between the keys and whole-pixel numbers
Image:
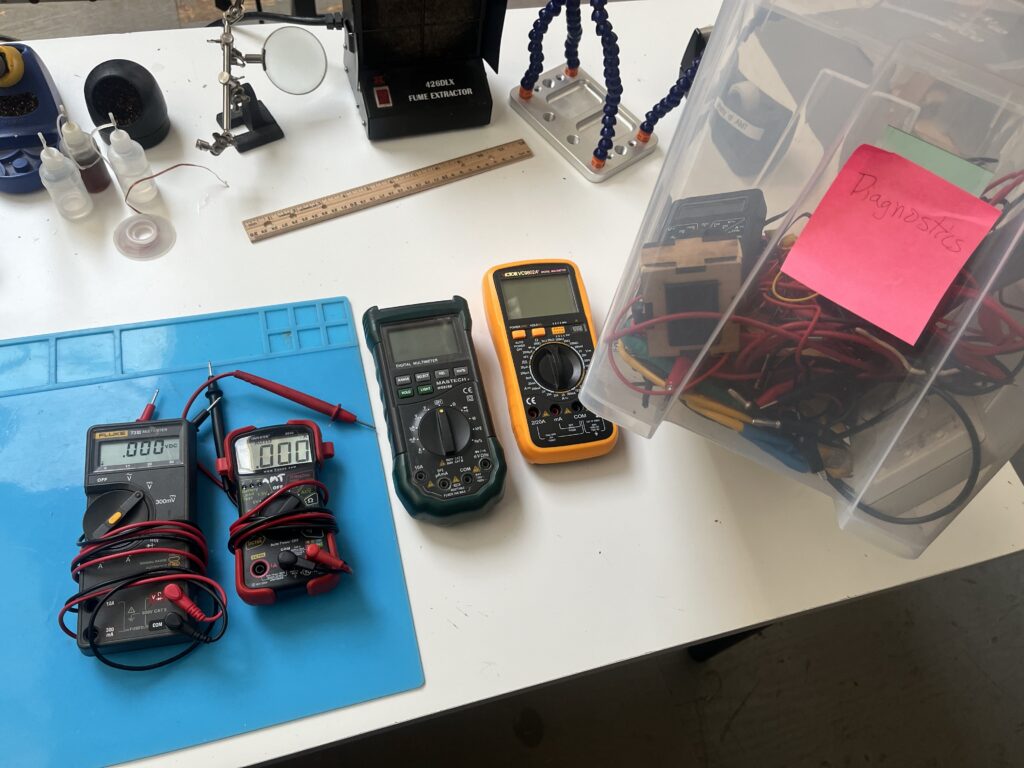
[{"x": 129, "y": 92}]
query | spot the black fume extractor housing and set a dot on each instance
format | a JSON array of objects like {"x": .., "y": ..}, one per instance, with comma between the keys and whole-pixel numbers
[{"x": 417, "y": 66}]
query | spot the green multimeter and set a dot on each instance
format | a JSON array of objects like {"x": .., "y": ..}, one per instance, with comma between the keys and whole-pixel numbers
[{"x": 448, "y": 464}]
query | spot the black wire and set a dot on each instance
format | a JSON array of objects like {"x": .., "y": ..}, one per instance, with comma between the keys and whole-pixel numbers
[
  {"x": 776, "y": 217},
  {"x": 235, "y": 540},
  {"x": 880, "y": 416},
  {"x": 327, "y": 20},
  {"x": 141, "y": 535},
  {"x": 984, "y": 386},
  {"x": 1010, "y": 206},
  {"x": 204, "y": 638},
  {"x": 961, "y": 498}
]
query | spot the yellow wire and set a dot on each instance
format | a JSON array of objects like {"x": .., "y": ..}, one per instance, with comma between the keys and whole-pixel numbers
[
  {"x": 718, "y": 418},
  {"x": 709, "y": 404},
  {"x": 787, "y": 299},
  {"x": 639, "y": 367}
]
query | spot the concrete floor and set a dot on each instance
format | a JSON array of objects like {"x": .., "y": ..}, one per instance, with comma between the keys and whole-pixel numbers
[{"x": 929, "y": 675}]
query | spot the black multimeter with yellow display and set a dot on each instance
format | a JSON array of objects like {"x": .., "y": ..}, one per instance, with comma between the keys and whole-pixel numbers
[{"x": 540, "y": 323}]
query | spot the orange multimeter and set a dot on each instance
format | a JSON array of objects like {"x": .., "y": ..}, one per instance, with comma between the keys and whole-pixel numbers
[{"x": 539, "y": 319}]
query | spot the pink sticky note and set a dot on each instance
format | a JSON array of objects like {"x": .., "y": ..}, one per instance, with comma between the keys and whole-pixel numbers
[{"x": 887, "y": 240}]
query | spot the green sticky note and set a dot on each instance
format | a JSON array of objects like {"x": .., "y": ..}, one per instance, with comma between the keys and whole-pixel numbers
[{"x": 968, "y": 176}]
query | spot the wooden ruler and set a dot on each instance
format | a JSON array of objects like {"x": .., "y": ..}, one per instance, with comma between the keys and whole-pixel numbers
[{"x": 377, "y": 192}]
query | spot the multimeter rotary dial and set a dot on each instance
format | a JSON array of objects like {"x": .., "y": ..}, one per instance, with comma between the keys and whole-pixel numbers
[
  {"x": 443, "y": 431},
  {"x": 556, "y": 367}
]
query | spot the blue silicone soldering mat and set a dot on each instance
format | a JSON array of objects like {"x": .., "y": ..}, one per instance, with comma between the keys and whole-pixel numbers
[{"x": 276, "y": 663}]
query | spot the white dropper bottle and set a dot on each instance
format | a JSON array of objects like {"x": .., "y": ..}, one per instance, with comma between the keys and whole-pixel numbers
[
  {"x": 128, "y": 159},
  {"x": 63, "y": 181}
]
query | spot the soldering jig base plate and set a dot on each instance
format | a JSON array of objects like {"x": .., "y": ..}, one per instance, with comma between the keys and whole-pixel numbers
[{"x": 567, "y": 112}]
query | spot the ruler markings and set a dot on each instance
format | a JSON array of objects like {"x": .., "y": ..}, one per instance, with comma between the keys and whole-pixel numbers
[{"x": 383, "y": 190}]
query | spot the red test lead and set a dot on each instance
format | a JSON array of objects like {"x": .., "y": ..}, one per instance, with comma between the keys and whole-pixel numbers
[
  {"x": 318, "y": 555},
  {"x": 176, "y": 595},
  {"x": 150, "y": 409},
  {"x": 333, "y": 412}
]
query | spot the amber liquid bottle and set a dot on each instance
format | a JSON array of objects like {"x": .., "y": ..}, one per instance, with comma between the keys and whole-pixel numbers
[{"x": 80, "y": 147}]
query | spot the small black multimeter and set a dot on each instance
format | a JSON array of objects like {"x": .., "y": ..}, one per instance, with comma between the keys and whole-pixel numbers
[
  {"x": 724, "y": 216},
  {"x": 448, "y": 462},
  {"x": 136, "y": 472},
  {"x": 270, "y": 559}
]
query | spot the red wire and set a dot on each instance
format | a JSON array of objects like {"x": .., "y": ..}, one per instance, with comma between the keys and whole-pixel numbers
[
  {"x": 1015, "y": 179},
  {"x": 210, "y": 476},
  {"x": 199, "y": 390},
  {"x": 244, "y": 519},
  {"x": 811, "y": 329},
  {"x": 151, "y": 580},
  {"x": 139, "y": 551},
  {"x": 708, "y": 373},
  {"x": 279, "y": 520},
  {"x": 157, "y": 528},
  {"x": 1001, "y": 179}
]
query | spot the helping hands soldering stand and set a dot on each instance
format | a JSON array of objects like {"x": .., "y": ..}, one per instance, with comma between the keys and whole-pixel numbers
[
  {"x": 241, "y": 107},
  {"x": 574, "y": 112},
  {"x": 298, "y": 67}
]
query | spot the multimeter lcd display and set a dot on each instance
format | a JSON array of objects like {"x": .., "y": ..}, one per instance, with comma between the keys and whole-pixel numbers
[
  {"x": 148, "y": 450},
  {"x": 539, "y": 297},
  {"x": 274, "y": 453},
  {"x": 436, "y": 338}
]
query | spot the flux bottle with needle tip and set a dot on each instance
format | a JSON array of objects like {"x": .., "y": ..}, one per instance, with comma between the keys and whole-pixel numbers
[{"x": 128, "y": 159}]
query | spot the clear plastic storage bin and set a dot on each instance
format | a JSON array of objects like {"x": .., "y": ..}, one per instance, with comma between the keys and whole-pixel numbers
[{"x": 706, "y": 332}]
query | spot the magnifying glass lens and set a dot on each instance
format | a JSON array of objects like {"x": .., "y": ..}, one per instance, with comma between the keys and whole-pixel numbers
[{"x": 294, "y": 60}]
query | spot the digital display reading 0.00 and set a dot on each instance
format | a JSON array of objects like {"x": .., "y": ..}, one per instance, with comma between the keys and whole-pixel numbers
[
  {"x": 141, "y": 451},
  {"x": 279, "y": 452}
]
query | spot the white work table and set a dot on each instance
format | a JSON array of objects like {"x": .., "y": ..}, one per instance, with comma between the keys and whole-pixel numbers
[{"x": 663, "y": 543}]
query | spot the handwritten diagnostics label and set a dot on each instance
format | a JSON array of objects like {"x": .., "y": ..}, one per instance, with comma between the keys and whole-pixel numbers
[{"x": 887, "y": 240}]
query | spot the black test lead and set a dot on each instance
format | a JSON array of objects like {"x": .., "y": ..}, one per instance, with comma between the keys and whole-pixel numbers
[
  {"x": 215, "y": 395},
  {"x": 199, "y": 418}
]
